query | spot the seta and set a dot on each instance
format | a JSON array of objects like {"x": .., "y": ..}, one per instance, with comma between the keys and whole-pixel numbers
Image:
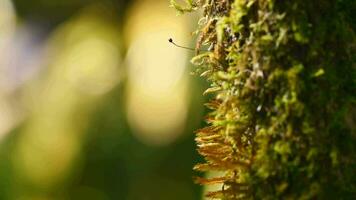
[{"x": 171, "y": 41}]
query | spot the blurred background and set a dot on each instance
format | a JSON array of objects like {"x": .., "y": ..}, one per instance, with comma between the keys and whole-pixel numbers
[{"x": 95, "y": 104}]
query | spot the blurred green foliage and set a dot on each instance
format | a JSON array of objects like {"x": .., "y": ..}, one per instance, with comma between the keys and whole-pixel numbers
[
  {"x": 83, "y": 136},
  {"x": 56, "y": 11}
]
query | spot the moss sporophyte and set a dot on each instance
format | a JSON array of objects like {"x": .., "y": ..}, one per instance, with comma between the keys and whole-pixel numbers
[{"x": 282, "y": 120}]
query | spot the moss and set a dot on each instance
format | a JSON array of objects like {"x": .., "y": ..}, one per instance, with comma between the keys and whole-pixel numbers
[{"x": 284, "y": 79}]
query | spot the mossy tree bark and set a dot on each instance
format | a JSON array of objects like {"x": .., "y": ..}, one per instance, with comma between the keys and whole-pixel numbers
[{"x": 283, "y": 76}]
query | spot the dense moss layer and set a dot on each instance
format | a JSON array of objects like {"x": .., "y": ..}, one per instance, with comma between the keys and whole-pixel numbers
[{"x": 283, "y": 75}]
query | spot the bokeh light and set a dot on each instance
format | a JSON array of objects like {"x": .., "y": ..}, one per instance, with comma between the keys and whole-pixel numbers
[
  {"x": 7, "y": 29},
  {"x": 84, "y": 66},
  {"x": 157, "y": 94}
]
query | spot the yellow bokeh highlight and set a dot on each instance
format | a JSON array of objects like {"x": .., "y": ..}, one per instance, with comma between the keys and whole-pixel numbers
[{"x": 157, "y": 85}]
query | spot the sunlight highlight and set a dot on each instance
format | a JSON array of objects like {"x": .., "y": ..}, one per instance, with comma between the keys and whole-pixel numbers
[{"x": 157, "y": 88}]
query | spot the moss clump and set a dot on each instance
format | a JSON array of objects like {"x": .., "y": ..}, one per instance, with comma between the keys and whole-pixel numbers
[{"x": 283, "y": 73}]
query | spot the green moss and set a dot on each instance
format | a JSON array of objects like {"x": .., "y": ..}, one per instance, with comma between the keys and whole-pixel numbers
[{"x": 283, "y": 74}]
